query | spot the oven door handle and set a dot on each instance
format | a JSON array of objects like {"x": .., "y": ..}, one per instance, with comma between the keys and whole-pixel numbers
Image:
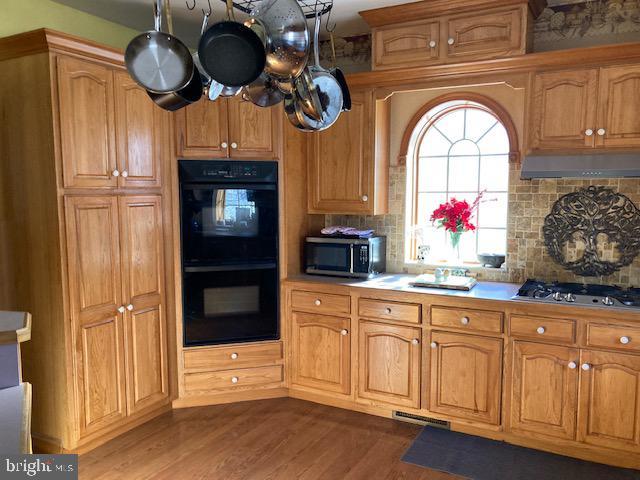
[{"x": 353, "y": 259}]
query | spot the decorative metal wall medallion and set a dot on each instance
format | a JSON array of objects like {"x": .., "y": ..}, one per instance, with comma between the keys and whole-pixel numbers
[{"x": 586, "y": 216}]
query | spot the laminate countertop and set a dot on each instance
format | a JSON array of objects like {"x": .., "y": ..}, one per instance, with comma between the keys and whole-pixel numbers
[{"x": 400, "y": 283}]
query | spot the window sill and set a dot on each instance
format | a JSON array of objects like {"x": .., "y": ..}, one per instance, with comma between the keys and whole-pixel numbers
[{"x": 471, "y": 267}]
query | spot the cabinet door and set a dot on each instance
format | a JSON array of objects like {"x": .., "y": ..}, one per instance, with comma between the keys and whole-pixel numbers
[
  {"x": 321, "y": 352},
  {"x": 410, "y": 45},
  {"x": 610, "y": 400},
  {"x": 466, "y": 373},
  {"x": 254, "y": 132},
  {"x": 143, "y": 293},
  {"x": 85, "y": 102},
  {"x": 544, "y": 396},
  {"x": 341, "y": 161},
  {"x": 139, "y": 129},
  {"x": 619, "y": 103},
  {"x": 202, "y": 130},
  {"x": 389, "y": 364},
  {"x": 95, "y": 295},
  {"x": 563, "y": 110},
  {"x": 497, "y": 33}
]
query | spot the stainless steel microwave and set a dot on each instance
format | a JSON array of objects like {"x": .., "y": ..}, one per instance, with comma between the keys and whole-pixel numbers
[{"x": 345, "y": 257}]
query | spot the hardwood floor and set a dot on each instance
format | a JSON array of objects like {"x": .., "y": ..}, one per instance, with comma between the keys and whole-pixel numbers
[{"x": 274, "y": 439}]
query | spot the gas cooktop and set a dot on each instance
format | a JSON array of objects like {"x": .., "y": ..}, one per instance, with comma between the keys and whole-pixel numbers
[{"x": 579, "y": 294}]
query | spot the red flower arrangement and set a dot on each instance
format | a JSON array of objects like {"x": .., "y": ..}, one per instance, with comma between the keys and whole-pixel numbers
[{"x": 455, "y": 217}]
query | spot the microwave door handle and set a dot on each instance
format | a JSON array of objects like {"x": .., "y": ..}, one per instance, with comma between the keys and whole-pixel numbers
[{"x": 353, "y": 260}]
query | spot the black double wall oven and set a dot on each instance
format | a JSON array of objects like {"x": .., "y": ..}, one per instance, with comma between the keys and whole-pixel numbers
[{"x": 229, "y": 230}]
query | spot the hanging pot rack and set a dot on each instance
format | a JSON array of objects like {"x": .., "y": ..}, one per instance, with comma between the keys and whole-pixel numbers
[{"x": 309, "y": 7}]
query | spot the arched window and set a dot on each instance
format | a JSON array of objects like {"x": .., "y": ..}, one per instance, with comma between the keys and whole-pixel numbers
[{"x": 458, "y": 149}]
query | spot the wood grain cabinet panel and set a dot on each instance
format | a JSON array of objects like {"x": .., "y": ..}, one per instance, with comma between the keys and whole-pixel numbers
[
  {"x": 610, "y": 400},
  {"x": 139, "y": 127},
  {"x": 467, "y": 319},
  {"x": 541, "y": 328},
  {"x": 563, "y": 110},
  {"x": 389, "y": 364},
  {"x": 386, "y": 310},
  {"x": 617, "y": 337},
  {"x": 321, "y": 352},
  {"x": 202, "y": 130},
  {"x": 225, "y": 357},
  {"x": 465, "y": 376},
  {"x": 254, "y": 132},
  {"x": 544, "y": 390},
  {"x": 239, "y": 379},
  {"x": 412, "y": 44},
  {"x": 619, "y": 103},
  {"x": 87, "y": 125},
  {"x": 315, "y": 302},
  {"x": 486, "y": 35}
]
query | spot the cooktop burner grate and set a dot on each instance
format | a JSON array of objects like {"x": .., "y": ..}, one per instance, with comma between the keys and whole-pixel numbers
[{"x": 584, "y": 294}]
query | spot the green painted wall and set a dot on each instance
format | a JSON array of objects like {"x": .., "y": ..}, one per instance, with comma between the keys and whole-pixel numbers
[{"x": 23, "y": 15}]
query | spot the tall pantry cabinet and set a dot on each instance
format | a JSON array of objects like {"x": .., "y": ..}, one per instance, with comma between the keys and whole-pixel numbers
[{"x": 84, "y": 152}]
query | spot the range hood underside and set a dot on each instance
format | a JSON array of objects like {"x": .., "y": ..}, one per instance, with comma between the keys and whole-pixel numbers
[{"x": 604, "y": 165}]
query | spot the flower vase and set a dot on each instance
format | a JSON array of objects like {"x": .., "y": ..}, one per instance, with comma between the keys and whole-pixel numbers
[{"x": 454, "y": 260}]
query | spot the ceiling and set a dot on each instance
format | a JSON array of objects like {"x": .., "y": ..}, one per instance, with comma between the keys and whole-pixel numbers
[{"x": 138, "y": 15}]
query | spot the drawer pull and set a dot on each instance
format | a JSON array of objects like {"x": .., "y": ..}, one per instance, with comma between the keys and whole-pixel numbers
[
  {"x": 624, "y": 340},
  {"x": 415, "y": 341},
  {"x": 318, "y": 302},
  {"x": 572, "y": 365},
  {"x": 586, "y": 367},
  {"x": 115, "y": 173},
  {"x": 434, "y": 345},
  {"x": 234, "y": 379},
  {"x": 121, "y": 309},
  {"x": 541, "y": 330},
  {"x": 344, "y": 332},
  {"x": 451, "y": 41},
  {"x": 387, "y": 311},
  {"x": 588, "y": 132},
  {"x": 433, "y": 44},
  {"x": 464, "y": 320},
  {"x": 234, "y": 355},
  {"x": 601, "y": 132}
]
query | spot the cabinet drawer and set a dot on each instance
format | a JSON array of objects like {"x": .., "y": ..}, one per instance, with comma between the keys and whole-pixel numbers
[
  {"x": 410, "y": 44},
  {"x": 232, "y": 379},
  {"x": 612, "y": 336},
  {"x": 466, "y": 319},
  {"x": 401, "y": 312},
  {"x": 320, "y": 302},
  {"x": 222, "y": 358},
  {"x": 541, "y": 328}
]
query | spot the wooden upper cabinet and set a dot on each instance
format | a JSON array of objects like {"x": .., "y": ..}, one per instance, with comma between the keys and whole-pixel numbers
[
  {"x": 609, "y": 400},
  {"x": 389, "y": 364},
  {"x": 619, "y": 103},
  {"x": 563, "y": 110},
  {"x": 411, "y": 44},
  {"x": 138, "y": 129},
  {"x": 465, "y": 376},
  {"x": 349, "y": 163},
  {"x": 87, "y": 125},
  {"x": 496, "y": 33},
  {"x": 544, "y": 390},
  {"x": 95, "y": 295},
  {"x": 321, "y": 352},
  {"x": 254, "y": 132},
  {"x": 202, "y": 130}
]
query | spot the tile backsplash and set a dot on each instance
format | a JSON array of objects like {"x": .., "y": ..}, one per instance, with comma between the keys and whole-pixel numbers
[{"x": 530, "y": 201}]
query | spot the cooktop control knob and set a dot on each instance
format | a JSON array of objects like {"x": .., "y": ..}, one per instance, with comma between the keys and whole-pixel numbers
[
  {"x": 557, "y": 297},
  {"x": 570, "y": 298},
  {"x": 607, "y": 301}
]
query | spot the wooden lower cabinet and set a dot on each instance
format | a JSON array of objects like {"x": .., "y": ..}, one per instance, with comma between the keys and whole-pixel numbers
[
  {"x": 465, "y": 376},
  {"x": 389, "y": 364},
  {"x": 544, "y": 390},
  {"x": 321, "y": 352},
  {"x": 610, "y": 400}
]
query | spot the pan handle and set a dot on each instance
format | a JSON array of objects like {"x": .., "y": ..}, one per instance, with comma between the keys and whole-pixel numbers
[
  {"x": 157, "y": 15},
  {"x": 230, "y": 13},
  {"x": 205, "y": 21},
  {"x": 316, "y": 38},
  {"x": 167, "y": 9}
]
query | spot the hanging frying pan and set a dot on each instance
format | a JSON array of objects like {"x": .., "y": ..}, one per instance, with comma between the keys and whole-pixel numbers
[
  {"x": 158, "y": 61},
  {"x": 212, "y": 89},
  {"x": 231, "y": 53},
  {"x": 339, "y": 76}
]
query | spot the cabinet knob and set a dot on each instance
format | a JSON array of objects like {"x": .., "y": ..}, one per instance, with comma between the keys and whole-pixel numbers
[
  {"x": 224, "y": 144},
  {"x": 588, "y": 132},
  {"x": 601, "y": 132},
  {"x": 464, "y": 320},
  {"x": 387, "y": 311},
  {"x": 115, "y": 173},
  {"x": 541, "y": 330},
  {"x": 572, "y": 365},
  {"x": 130, "y": 307},
  {"x": 234, "y": 379},
  {"x": 234, "y": 355},
  {"x": 318, "y": 302},
  {"x": 451, "y": 41},
  {"x": 624, "y": 340},
  {"x": 344, "y": 332},
  {"x": 234, "y": 145},
  {"x": 433, "y": 44},
  {"x": 415, "y": 341},
  {"x": 365, "y": 198},
  {"x": 121, "y": 309},
  {"x": 586, "y": 367},
  {"x": 125, "y": 174},
  {"x": 434, "y": 345}
]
